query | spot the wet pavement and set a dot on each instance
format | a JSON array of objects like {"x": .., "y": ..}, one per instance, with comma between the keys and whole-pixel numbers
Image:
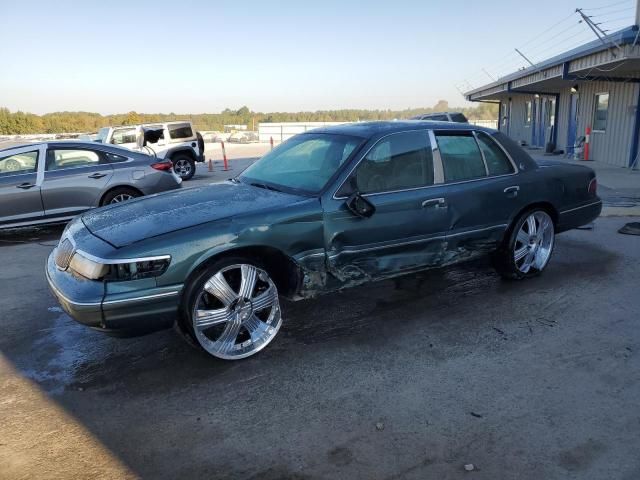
[{"x": 412, "y": 378}]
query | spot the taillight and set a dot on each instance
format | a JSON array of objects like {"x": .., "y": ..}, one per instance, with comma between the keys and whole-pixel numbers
[
  {"x": 593, "y": 186},
  {"x": 164, "y": 166}
]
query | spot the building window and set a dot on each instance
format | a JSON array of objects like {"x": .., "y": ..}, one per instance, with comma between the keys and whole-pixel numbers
[
  {"x": 527, "y": 113},
  {"x": 601, "y": 113}
]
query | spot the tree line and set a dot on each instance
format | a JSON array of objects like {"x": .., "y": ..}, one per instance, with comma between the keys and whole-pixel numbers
[{"x": 12, "y": 123}]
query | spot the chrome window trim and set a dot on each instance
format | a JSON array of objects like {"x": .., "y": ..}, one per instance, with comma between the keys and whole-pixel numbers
[
  {"x": 504, "y": 150},
  {"x": 367, "y": 153},
  {"x": 119, "y": 261},
  {"x": 484, "y": 159},
  {"x": 438, "y": 174}
]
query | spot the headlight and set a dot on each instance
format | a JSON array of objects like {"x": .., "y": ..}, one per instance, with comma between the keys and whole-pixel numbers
[
  {"x": 87, "y": 268},
  {"x": 118, "y": 270}
]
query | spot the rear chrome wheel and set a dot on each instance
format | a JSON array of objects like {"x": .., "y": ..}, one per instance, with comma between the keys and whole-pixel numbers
[
  {"x": 236, "y": 312},
  {"x": 534, "y": 242},
  {"x": 529, "y": 247}
]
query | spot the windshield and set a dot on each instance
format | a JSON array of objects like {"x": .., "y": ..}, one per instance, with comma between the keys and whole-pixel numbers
[
  {"x": 305, "y": 162},
  {"x": 103, "y": 133}
]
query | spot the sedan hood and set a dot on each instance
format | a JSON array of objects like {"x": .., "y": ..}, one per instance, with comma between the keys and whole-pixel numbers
[{"x": 135, "y": 220}]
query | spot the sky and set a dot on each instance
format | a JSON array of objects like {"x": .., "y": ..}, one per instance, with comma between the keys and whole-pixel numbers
[{"x": 204, "y": 56}]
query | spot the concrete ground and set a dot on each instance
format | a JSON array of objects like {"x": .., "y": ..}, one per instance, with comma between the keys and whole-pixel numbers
[{"x": 406, "y": 379}]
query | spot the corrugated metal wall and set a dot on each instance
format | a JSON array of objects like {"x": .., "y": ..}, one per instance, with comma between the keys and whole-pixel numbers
[
  {"x": 518, "y": 131},
  {"x": 614, "y": 145},
  {"x": 562, "y": 121}
]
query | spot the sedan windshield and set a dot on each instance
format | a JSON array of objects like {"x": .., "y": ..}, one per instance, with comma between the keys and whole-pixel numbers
[{"x": 303, "y": 163}]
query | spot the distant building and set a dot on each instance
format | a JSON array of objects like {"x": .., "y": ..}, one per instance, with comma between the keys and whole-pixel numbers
[{"x": 595, "y": 85}]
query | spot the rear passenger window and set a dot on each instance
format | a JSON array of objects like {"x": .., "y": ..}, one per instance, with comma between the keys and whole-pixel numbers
[
  {"x": 181, "y": 130},
  {"x": 120, "y": 137},
  {"x": 398, "y": 162},
  {"x": 497, "y": 161},
  {"x": 113, "y": 158},
  {"x": 63, "y": 159},
  {"x": 461, "y": 157}
]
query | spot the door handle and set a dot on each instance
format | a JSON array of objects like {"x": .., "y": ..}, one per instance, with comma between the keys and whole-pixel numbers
[
  {"x": 98, "y": 175},
  {"x": 26, "y": 186},
  {"x": 435, "y": 202},
  {"x": 512, "y": 192}
]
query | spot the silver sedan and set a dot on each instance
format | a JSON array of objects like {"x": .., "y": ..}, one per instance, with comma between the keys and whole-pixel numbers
[{"x": 54, "y": 181}]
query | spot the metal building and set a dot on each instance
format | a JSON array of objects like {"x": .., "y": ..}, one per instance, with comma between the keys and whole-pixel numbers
[{"x": 595, "y": 86}]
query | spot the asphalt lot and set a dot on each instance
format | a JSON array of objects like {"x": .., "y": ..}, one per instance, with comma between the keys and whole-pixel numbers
[{"x": 412, "y": 378}]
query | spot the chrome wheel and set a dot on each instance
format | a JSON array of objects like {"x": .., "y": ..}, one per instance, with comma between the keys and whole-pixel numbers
[
  {"x": 236, "y": 313},
  {"x": 12, "y": 165},
  {"x": 182, "y": 167},
  {"x": 122, "y": 197},
  {"x": 534, "y": 242}
]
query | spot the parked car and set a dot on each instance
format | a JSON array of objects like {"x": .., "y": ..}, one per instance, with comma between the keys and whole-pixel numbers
[
  {"x": 53, "y": 181},
  {"x": 443, "y": 117},
  {"x": 325, "y": 210},
  {"x": 243, "y": 137},
  {"x": 178, "y": 142}
]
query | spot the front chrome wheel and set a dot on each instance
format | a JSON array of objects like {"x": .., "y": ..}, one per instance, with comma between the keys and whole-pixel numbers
[
  {"x": 236, "y": 313},
  {"x": 122, "y": 197},
  {"x": 534, "y": 242}
]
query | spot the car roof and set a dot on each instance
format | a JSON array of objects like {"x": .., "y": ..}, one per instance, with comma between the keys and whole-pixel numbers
[
  {"x": 70, "y": 144},
  {"x": 440, "y": 113},
  {"x": 375, "y": 129}
]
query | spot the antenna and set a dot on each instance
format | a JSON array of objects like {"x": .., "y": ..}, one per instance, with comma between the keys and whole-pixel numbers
[{"x": 491, "y": 76}]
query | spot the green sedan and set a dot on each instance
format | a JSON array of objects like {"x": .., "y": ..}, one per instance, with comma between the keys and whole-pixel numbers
[{"x": 326, "y": 210}]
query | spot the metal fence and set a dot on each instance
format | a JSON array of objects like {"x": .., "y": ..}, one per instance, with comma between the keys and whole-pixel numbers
[
  {"x": 283, "y": 131},
  {"x": 485, "y": 123}
]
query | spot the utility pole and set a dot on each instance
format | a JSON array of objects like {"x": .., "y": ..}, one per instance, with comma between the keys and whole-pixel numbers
[
  {"x": 597, "y": 30},
  {"x": 637, "y": 12}
]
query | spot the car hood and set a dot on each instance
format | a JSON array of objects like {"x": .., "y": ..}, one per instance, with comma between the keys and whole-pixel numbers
[{"x": 146, "y": 217}]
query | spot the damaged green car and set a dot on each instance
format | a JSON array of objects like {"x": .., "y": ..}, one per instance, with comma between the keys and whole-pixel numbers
[{"x": 328, "y": 209}]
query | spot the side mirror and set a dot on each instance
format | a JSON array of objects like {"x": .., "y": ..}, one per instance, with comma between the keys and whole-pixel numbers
[{"x": 360, "y": 206}]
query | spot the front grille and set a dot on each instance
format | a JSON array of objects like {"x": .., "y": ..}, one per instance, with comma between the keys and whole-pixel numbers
[{"x": 64, "y": 252}]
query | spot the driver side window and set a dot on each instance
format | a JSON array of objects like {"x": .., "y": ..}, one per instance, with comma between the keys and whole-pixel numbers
[{"x": 398, "y": 162}]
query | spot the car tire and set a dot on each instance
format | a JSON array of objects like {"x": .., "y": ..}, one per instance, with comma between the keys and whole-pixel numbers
[
  {"x": 12, "y": 165},
  {"x": 119, "y": 195},
  {"x": 230, "y": 309},
  {"x": 184, "y": 166},
  {"x": 527, "y": 249}
]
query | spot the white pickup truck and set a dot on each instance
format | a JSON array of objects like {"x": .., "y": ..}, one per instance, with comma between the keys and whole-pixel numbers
[{"x": 178, "y": 142}]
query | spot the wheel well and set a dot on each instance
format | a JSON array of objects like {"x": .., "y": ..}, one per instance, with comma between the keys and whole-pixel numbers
[
  {"x": 119, "y": 187},
  {"x": 187, "y": 151},
  {"x": 284, "y": 271}
]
